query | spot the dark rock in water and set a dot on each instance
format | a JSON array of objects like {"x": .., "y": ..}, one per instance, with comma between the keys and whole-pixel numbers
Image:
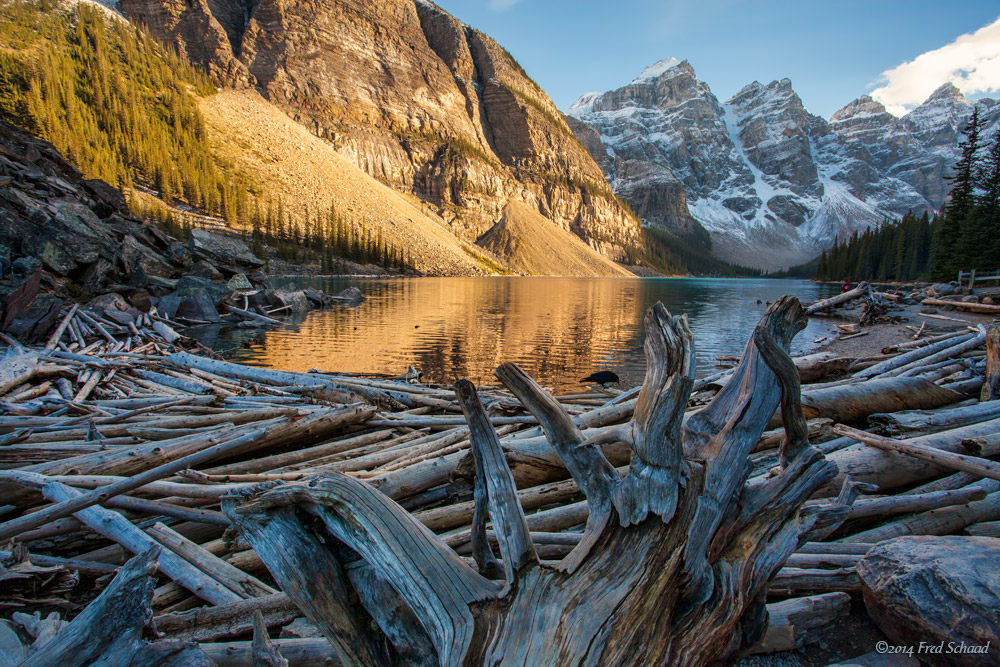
[
  {"x": 317, "y": 298},
  {"x": 351, "y": 295},
  {"x": 937, "y": 592},
  {"x": 195, "y": 286},
  {"x": 167, "y": 305},
  {"x": 196, "y": 307},
  {"x": 295, "y": 300},
  {"x": 222, "y": 250},
  {"x": 205, "y": 269},
  {"x": 33, "y": 324},
  {"x": 108, "y": 200}
]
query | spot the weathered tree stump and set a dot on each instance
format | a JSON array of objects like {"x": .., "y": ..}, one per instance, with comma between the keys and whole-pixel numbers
[{"x": 673, "y": 566}]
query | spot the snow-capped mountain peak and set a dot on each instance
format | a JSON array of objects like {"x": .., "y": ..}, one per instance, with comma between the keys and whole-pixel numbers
[
  {"x": 655, "y": 70},
  {"x": 770, "y": 182}
]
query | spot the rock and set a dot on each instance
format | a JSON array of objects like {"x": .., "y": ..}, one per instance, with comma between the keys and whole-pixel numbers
[
  {"x": 937, "y": 592},
  {"x": 222, "y": 250},
  {"x": 989, "y": 300},
  {"x": 205, "y": 269},
  {"x": 351, "y": 295},
  {"x": 196, "y": 307},
  {"x": 970, "y": 299},
  {"x": 154, "y": 284},
  {"x": 940, "y": 289},
  {"x": 457, "y": 85},
  {"x": 239, "y": 282},
  {"x": 928, "y": 311},
  {"x": 301, "y": 628},
  {"x": 317, "y": 298},
  {"x": 195, "y": 286},
  {"x": 134, "y": 255},
  {"x": 295, "y": 300},
  {"x": 100, "y": 274},
  {"x": 107, "y": 304},
  {"x": 34, "y": 323},
  {"x": 141, "y": 300},
  {"x": 108, "y": 200},
  {"x": 25, "y": 265},
  {"x": 179, "y": 255},
  {"x": 119, "y": 317}
]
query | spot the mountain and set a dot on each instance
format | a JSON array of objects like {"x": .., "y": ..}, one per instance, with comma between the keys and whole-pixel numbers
[
  {"x": 770, "y": 183},
  {"x": 412, "y": 97}
]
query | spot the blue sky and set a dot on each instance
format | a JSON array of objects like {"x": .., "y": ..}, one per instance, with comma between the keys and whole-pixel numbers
[{"x": 832, "y": 51}]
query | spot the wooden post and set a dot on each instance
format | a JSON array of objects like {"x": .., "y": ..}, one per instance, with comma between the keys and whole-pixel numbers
[{"x": 972, "y": 278}]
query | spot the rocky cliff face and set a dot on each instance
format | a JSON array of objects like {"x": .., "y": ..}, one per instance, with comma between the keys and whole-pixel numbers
[
  {"x": 772, "y": 183},
  {"x": 413, "y": 97}
]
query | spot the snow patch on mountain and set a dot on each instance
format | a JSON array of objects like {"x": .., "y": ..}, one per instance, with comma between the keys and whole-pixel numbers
[
  {"x": 772, "y": 183},
  {"x": 657, "y": 69}
]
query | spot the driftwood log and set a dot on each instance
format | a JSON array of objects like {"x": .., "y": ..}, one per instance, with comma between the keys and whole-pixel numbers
[{"x": 673, "y": 566}]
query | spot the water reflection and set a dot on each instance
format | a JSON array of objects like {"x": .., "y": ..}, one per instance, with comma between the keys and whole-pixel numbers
[{"x": 558, "y": 329}]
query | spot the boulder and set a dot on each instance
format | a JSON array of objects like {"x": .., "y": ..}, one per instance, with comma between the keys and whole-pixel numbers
[
  {"x": 179, "y": 255},
  {"x": 970, "y": 299},
  {"x": 195, "y": 286},
  {"x": 295, "y": 300},
  {"x": 188, "y": 306},
  {"x": 197, "y": 307},
  {"x": 108, "y": 199},
  {"x": 940, "y": 595},
  {"x": 33, "y": 324},
  {"x": 97, "y": 276},
  {"x": 135, "y": 255},
  {"x": 317, "y": 298},
  {"x": 108, "y": 303},
  {"x": 205, "y": 269},
  {"x": 141, "y": 300},
  {"x": 154, "y": 284},
  {"x": 940, "y": 289},
  {"x": 239, "y": 282},
  {"x": 222, "y": 250},
  {"x": 25, "y": 265},
  {"x": 351, "y": 296}
]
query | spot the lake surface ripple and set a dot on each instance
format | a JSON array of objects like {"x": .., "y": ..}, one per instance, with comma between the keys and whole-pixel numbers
[{"x": 557, "y": 329}]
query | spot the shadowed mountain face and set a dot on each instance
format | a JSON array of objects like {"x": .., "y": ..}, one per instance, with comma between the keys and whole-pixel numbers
[
  {"x": 413, "y": 97},
  {"x": 771, "y": 183}
]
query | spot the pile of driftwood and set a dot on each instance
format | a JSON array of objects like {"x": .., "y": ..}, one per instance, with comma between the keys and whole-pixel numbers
[{"x": 311, "y": 517}]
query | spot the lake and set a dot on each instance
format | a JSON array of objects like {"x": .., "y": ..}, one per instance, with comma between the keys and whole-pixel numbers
[{"x": 558, "y": 329}]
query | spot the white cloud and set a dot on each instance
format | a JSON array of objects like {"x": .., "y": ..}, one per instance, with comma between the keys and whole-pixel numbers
[
  {"x": 971, "y": 62},
  {"x": 502, "y": 5}
]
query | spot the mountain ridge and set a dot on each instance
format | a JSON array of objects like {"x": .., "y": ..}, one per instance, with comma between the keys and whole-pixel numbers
[
  {"x": 771, "y": 183},
  {"x": 411, "y": 96}
]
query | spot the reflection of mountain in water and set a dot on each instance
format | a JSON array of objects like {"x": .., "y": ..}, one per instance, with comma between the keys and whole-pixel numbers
[{"x": 558, "y": 329}]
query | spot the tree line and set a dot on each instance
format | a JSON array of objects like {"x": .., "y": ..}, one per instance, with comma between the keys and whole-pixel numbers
[
  {"x": 123, "y": 108},
  {"x": 896, "y": 251},
  {"x": 968, "y": 236},
  {"x": 964, "y": 235}
]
